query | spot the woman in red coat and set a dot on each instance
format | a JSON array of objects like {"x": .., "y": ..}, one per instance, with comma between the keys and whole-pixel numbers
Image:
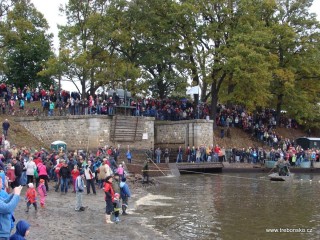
[{"x": 109, "y": 198}]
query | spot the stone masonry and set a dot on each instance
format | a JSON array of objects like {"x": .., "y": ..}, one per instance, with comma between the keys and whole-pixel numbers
[
  {"x": 91, "y": 131},
  {"x": 183, "y": 133},
  {"x": 84, "y": 132}
]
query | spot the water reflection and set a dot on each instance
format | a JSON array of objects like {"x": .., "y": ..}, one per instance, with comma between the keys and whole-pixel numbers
[{"x": 238, "y": 206}]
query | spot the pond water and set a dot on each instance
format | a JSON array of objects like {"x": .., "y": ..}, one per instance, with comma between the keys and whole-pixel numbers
[{"x": 234, "y": 206}]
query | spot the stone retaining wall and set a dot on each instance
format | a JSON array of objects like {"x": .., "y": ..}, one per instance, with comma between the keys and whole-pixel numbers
[
  {"x": 84, "y": 132},
  {"x": 91, "y": 131},
  {"x": 184, "y": 133}
]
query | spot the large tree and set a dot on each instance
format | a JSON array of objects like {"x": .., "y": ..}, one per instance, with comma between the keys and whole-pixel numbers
[
  {"x": 296, "y": 43},
  {"x": 26, "y": 45},
  {"x": 223, "y": 46},
  {"x": 87, "y": 45}
]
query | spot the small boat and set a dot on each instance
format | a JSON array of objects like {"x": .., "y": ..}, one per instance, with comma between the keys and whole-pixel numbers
[{"x": 276, "y": 177}]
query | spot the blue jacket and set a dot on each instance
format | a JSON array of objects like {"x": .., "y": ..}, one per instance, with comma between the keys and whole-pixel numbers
[
  {"x": 21, "y": 229},
  {"x": 129, "y": 156},
  {"x": 124, "y": 190},
  {"x": 3, "y": 176},
  {"x": 7, "y": 206}
]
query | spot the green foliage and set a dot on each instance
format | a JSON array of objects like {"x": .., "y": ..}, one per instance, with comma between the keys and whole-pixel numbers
[
  {"x": 296, "y": 43},
  {"x": 250, "y": 52},
  {"x": 26, "y": 45}
]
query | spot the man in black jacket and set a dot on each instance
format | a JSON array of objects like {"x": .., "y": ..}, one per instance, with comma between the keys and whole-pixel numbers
[
  {"x": 17, "y": 171},
  {"x": 64, "y": 177}
]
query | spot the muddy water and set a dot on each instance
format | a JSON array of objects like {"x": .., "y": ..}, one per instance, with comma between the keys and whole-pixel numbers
[
  {"x": 233, "y": 206},
  {"x": 225, "y": 206}
]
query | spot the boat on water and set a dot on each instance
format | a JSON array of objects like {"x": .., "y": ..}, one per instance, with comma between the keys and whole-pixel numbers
[{"x": 277, "y": 177}]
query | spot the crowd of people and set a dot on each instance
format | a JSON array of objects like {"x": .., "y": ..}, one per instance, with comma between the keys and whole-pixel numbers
[
  {"x": 286, "y": 149},
  {"x": 76, "y": 170},
  {"x": 82, "y": 171},
  {"x": 65, "y": 102},
  {"x": 14, "y": 100}
]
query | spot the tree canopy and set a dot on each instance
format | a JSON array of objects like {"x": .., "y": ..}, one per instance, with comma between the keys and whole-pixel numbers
[
  {"x": 249, "y": 52},
  {"x": 25, "y": 45}
]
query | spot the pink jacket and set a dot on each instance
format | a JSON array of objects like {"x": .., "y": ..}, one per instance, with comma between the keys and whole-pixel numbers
[
  {"x": 42, "y": 170},
  {"x": 120, "y": 170}
]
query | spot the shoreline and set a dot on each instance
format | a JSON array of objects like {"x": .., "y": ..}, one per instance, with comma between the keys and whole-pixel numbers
[
  {"x": 135, "y": 169},
  {"x": 59, "y": 220}
]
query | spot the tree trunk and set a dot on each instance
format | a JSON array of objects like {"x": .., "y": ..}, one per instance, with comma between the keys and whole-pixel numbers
[
  {"x": 203, "y": 91},
  {"x": 214, "y": 103},
  {"x": 278, "y": 110}
]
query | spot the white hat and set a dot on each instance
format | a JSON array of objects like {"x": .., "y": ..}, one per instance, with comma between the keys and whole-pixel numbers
[{"x": 30, "y": 185}]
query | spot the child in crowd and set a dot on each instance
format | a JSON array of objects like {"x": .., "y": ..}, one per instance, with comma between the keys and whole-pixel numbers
[
  {"x": 10, "y": 174},
  {"x": 42, "y": 193},
  {"x": 129, "y": 155},
  {"x": 22, "y": 231},
  {"x": 117, "y": 207},
  {"x": 31, "y": 197},
  {"x": 75, "y": 173},
  {"x": 120, "y": 171},
  {"x": 125, "y": 194}
]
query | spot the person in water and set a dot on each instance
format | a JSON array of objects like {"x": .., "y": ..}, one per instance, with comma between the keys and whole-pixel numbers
[{"x": 283, "y": 167}]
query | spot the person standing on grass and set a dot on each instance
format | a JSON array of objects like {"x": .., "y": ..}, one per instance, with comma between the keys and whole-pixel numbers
[{"x": 5, "y": 127}]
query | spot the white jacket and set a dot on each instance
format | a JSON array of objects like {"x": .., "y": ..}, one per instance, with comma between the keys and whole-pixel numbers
[
  {"x": 87, "y": 172},
  {"x": 30, "y": 166}
]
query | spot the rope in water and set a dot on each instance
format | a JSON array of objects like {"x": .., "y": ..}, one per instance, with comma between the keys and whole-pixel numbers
[
  {"x": 219, "y": 174},
  {"x": 212, "y": 174}
]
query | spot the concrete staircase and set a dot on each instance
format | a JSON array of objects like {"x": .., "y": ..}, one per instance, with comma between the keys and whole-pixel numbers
[{"x": 125, "y": 129}]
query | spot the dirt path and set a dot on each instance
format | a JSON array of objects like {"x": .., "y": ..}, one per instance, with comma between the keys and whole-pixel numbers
[{"x": 59, "y": 220}]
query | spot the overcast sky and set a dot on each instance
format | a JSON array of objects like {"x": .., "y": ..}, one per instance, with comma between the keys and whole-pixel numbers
[{"x": 50, "y": 10}]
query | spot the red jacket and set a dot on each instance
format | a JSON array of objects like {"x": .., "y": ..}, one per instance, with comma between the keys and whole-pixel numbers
[
  {"x": 108, "y": 189},
  {"x": 31, "y": 195},
  {"x": 10, "y": 174},
  {"x": 37, "y": 161},
  {"x": 75, "y": 173}
]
